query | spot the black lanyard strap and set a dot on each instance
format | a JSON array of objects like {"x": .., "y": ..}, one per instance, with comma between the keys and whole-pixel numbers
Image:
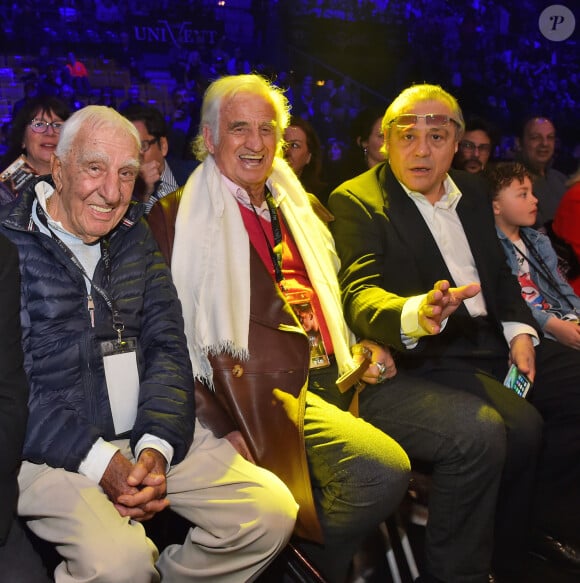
[
  {"x": 541, "y": 268},
  {"x": 118, "y": 324},
  {"x": 276, "y": 251}
]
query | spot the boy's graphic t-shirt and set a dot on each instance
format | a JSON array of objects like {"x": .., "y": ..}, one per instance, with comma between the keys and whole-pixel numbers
[{"x": 530, "y": 291}]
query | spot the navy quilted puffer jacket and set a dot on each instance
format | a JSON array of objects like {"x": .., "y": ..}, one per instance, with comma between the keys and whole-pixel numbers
[{"x": 69, "y": 406}]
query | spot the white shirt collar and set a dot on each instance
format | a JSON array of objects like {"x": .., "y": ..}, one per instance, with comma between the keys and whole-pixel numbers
[{"x": 450, "y": 199}]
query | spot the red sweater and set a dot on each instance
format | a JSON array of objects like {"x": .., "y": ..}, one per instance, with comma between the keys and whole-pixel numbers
[
  {"x": 567, "y": 224},
  {"x": 293, "y": 268}
]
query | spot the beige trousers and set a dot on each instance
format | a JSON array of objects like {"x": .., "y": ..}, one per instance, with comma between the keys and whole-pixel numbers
[{"x": 243, "y": 516}]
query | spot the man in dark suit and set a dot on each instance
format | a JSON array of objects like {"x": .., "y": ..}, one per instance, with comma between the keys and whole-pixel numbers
[
  {"x": 410, "y": 227},
  {"x": 18, "y": 562}
]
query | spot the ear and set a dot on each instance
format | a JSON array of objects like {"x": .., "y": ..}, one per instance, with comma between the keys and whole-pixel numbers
[
  {"x": 208, "y": 139},
  {"x": 518, "y": 143},
  {"x": 163, "y": 146},
  {"x": 309, "y": 158},
  {"x": 56, "y": 171},
  {"x": 496, "y": 206}
]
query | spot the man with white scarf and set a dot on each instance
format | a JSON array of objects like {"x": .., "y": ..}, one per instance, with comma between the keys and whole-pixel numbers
[{"x": 251, "y": 261}]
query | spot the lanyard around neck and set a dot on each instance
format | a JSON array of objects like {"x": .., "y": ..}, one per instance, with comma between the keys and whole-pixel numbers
[
  {"x": 276, "y": 251},
  {"x": 540, "y": 266},
  {"x": 118, "y": 325}
]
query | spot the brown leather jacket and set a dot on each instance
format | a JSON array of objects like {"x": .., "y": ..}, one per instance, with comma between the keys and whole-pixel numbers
[{"x": 263, "y": 397}]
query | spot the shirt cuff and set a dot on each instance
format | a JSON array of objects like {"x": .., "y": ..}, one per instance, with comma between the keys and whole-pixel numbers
[
  {"x": 97, "y": 460},
  {"x": 162, "y": 446},
  {"x": 512, "y": 329},
  {"x": 411, "y": 331}
]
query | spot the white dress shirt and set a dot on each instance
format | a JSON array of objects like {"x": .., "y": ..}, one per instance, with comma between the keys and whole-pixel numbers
[{"x": 445, "y": 225}]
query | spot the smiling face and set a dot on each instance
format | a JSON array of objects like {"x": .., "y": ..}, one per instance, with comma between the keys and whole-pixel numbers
[
  {"x": 515, "y": 206},
  {"x": 246, "y": 144},
  {"x": 296, "y": 152},
  {"x": 420, "y": 155},
  {"x": 539, "y": 141},
  {"x": 94, "y": 182},
  {"x": 40, "y": 147}
]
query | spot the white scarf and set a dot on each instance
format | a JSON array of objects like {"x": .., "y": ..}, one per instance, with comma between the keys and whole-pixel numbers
[{"x": 211, "y": 265}]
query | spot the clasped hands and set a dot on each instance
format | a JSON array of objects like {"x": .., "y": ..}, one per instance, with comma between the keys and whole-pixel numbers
[{"x": 137, "y": 490}]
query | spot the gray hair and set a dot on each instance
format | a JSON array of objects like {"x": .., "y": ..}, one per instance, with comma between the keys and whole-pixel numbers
[
  {"x": 417, "y": 94},
  {"x": 226, "y": 88},
  {"x": 95, "y": 117}
]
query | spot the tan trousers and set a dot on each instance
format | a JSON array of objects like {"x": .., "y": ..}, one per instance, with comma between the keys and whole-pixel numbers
[{"x": 243, "y": 517}]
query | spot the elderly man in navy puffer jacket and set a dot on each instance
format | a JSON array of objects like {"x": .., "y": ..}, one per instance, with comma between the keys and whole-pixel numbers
[{"x": 110, "y": 439}]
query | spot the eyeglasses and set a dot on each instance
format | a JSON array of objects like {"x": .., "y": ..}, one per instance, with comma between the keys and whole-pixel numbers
[
  {"x": 471, "y": 147},
  {"x": 146, "y": 144},
  {"x": 39, "y": 126},
  {"x": 431, "y": 119}
]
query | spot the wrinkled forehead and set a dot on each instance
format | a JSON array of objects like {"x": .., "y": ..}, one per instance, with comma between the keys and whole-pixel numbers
[
  {"x": 246, "y": 106},
  {"x": 106, "y": 142}
]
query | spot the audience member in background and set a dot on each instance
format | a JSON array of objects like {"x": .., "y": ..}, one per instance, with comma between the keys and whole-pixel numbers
[
  {"x": 476, "y": 146},
  {"x": 45, "y": 63},
  {"x": 238, "y": 64},
  {"x": 133, "y": 97},
  {"x": 566, "y": 223},
  {"x": 157, "y": 178},
  {"x": 537, "y": 144},
  {"x": 324, "y": 122},
  {"x": 107, "y": 12},
  {"x": 303, "y": 153},
  {"x": 107, "y": 97},
  {"x": 110, "y": 439},
  {"x": 412, "y": 221},
  {"x": 364, "y": 151},
  {"x": 30, "y": 92},
  {"x": 182, "y": 121},
  {"x": 369, "y": 138},
  {"x": 197, "y": 70},
  {"x": 78, "y": 75},
  {"x": 304, "y": 104},
  {"x": 332, "y": 164},
  {"x": 530, "y": 255},
  {"x": 33, "y": 139},
  {"x": 18, "y": 562},
  {"x": 71, "y": 97}
]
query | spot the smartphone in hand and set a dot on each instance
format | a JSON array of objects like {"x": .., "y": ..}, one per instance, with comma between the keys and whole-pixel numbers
[{"x": 517, "y": 381}]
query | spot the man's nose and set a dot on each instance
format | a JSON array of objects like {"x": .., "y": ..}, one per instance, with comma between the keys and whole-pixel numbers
[
  {"x": 111, "y": 188},
  {"x": 423, "y": 147},
  {"x": 255, "y": 140}
]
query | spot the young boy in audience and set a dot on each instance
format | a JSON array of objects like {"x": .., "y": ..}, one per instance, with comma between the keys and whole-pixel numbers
[{"x": 530, "y": 255}]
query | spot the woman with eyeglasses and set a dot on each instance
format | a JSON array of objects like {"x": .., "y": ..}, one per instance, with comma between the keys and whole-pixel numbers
[{"x": 33, "y": 139}]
